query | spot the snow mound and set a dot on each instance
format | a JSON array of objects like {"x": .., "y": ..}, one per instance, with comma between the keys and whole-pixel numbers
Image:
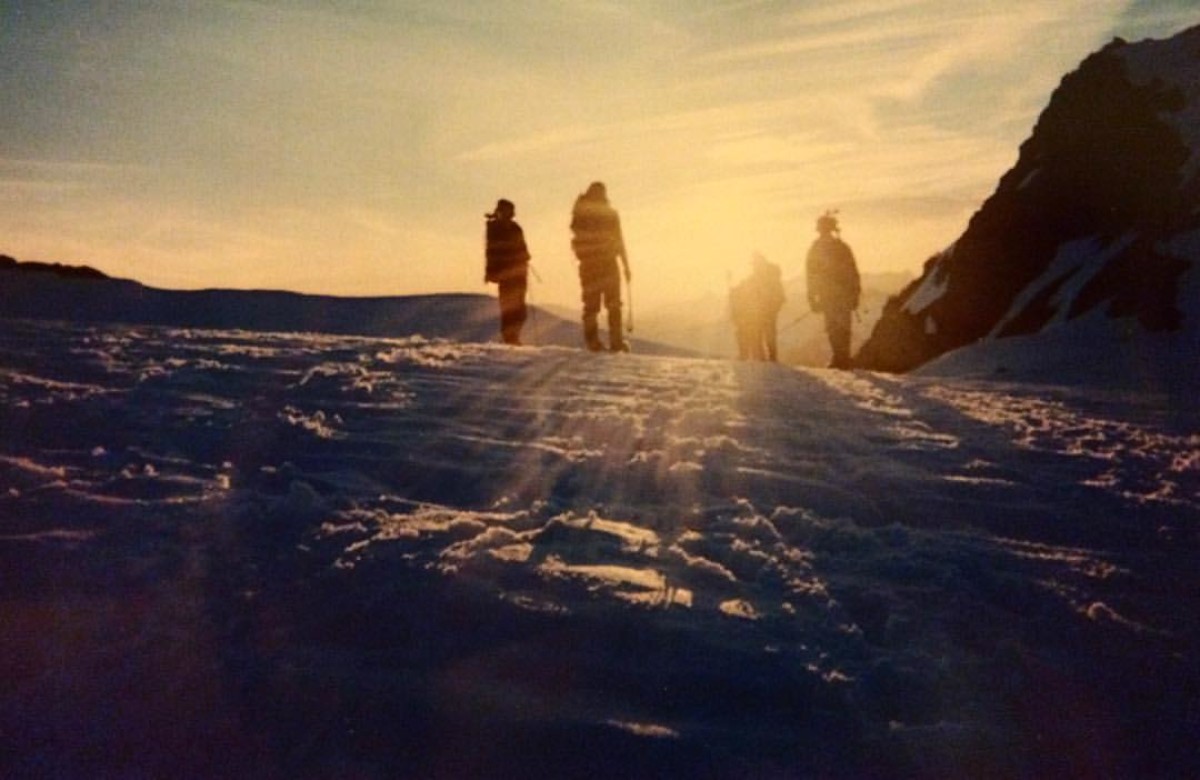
[{"x": 341, "y": 555}]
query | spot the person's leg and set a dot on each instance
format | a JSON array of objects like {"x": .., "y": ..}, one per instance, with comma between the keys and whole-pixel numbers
[
  {"x": 612, "y": 300},
  {"x": 591, "y": 309},
  {"x": 837, "y": 324},
  {"x": 745, "y": 340},
  {"x": 512, "y": 309},
  {"x": 771, "y": 339}
]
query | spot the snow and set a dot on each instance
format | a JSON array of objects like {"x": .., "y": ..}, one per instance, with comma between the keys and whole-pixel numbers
[
  {"x": 932, "y": 288},
  {"x": 1075, "y": 264},
  {"x": 228, "y": 553},
  {"x": 1094, "y": 349}
]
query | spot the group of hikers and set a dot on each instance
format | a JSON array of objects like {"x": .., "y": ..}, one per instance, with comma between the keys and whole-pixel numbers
[
  {"x": 834, "y": 288},
  {"x": 599, "y": 246}
]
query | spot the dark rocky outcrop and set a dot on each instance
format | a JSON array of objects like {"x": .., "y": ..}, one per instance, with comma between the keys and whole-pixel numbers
[{"x": 1103, "y": 177}]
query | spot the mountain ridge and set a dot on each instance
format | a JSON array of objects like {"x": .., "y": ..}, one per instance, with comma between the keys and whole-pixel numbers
[
  {"x": 38, "y": 290},
  {"x": 1101, "y": 212}
]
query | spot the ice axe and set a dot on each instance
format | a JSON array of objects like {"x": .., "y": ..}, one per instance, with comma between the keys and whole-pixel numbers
[
  {"x": 798, "y": 320},
  {"x": 629, "y": 285},
  {"x": 529, "y": 295}
]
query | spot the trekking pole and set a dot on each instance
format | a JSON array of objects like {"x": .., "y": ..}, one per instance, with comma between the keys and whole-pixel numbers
[
  {"x": 798, "y": 320},
  {"x": 629, "y": 322},
  {"x": 529, "y": 297}
]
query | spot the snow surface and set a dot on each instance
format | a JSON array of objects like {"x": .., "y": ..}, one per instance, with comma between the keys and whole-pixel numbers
[
  {"x": 1075, "y": 264},
  {"x": 226, "y": 553},
  {"x": 932, "y": 287},
  {"x": 1093, "y": 350}
]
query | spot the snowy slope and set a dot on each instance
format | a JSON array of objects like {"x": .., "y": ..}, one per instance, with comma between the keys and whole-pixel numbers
[
  {"x": 1098, "y": 219},
  {"x": 233, "y": 554},
  {"x": 81, "y": 294}
]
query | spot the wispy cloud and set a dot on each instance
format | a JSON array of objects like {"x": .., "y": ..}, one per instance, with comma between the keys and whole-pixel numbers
[
  {"x": 225, "y": 138},
  {"x": 837, "y": 43},
  {"x": 538, "y": 144}
]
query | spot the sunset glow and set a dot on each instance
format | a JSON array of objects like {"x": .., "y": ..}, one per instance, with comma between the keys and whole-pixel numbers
[{"x": 353, "y": 148}]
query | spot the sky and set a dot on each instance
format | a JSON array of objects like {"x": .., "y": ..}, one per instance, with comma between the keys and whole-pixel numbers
[{"x": 353, "y": 148}]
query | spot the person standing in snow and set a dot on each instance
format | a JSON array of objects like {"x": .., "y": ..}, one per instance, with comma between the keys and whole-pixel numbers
[
  {"x": 768, "y": 288},
  {"x": 742, "y": 310},
  {"x": 833, "y": 286},
  {"x": 597, "y": 243},
  {"x": 754, "y": 304},
  {"x": 507, "y": 266}
]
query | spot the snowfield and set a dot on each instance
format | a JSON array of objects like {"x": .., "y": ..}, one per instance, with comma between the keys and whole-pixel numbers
[{"x": 234, "y": 554}]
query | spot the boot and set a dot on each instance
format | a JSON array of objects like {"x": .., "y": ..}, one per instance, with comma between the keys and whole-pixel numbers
[
  {"x": 591, "y": 334},
  {"x": 616, "y": 340}
]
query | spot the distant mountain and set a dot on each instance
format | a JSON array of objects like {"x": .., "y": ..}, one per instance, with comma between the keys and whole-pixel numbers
[
  {"x": 1091, "y": 239},
  {"x": 82, "y": 294},
  {"x": 56, "y": 269}
]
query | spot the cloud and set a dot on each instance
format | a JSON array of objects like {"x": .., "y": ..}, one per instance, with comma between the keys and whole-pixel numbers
[
  {"x": 377, "y": 131},
  {"x": 547, "y": 142},
  {"x": 838, "y": 44},
  {"x": 900, "y": 49},
  {"x": 1155, "y": 18}
]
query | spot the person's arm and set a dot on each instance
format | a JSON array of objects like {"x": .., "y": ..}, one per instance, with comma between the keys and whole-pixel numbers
[
  {"x": 487, "y": 252},
  {"x": 522, "y": 247}
]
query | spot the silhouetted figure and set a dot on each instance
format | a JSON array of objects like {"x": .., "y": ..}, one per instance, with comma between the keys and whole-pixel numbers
[
  {"x": 833, "y": 286},
  {"x": 754, "y": 304},
  {"x": 742, "y": 310},
  {"x": 508, "y": 266},
  {"x": 597, "y": 242}
]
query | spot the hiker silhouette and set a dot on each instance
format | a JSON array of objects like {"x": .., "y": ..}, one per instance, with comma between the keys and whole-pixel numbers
[
  {"x": 833, "y": 286},
  {"x": 597, "y": 242},
  {"x": 507, "y": 265},
  {"x": 754, "y": 305}
]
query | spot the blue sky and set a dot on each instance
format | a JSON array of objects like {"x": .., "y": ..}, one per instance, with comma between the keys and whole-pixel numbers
[{"x": 352, "y": 148}]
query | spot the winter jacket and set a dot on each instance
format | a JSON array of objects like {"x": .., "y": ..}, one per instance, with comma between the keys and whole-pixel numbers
[
  {"x": 833, "y": 282},
  {"x": 596, "y": 232},
  {"x": 506, "y": 252}
]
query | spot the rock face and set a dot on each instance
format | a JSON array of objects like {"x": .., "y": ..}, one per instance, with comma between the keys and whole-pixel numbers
[{"x": 1099, "y": 216}]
